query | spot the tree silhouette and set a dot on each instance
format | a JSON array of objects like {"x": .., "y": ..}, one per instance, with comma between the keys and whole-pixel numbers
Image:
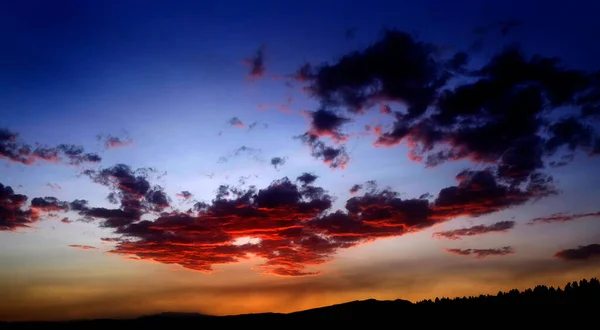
[{"x": 583, "y": 292}]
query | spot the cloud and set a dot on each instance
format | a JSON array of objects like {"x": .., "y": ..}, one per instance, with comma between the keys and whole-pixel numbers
[
  {"x": 326, "y": 123},
  {"x": 482, "y": 253},
  {"x": 112, "y": 142},
  {"x": 235, "y": 121},
  {"x": 583, "y": 252},
  {"x": 83, "y": 247},
  {"x": 257, "y": 124},
  {"x": 355, "y": 188},
  {"x": 307, "y": 178},
  {"x": 185, "y": 194},
  {"x": 395, "y": 67},
  {"x": 334, "y": 157},
  {"x": 14, "y": 215},
  {"x": 257, "y": 64},
  {"x": 12, "y": 149},
  {"x": 562, "y": 217},
  {"x": 278, "y": 161},
  {"x": 129, "y": 188},
  {"x": 53, "y": 186},
  {"x": 254, "y": 153},
  {"x": 481, "y": 192},
  {"x": 507, "y": 113},
  {"x": 289, "y": 224},
  {"x": 48, "y": 204},
  {"x": 456, "y": 234}
]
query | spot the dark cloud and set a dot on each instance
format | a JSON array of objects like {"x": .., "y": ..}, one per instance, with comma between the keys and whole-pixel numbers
[
  {"x": 15, "y": 215},
  {"x": 307, "y": 178},
  {"x": 12, "y": 216},
  {"x": 510, "y": 113},
  {"x": 563, "y": 161},
  {"x": 83, "y": 247},
  {"x": 112, "y": 142},
  {"x": 369, "y": 186},
  {"x": 480, "y": 192},
  {"x": 49, "y": 204},
  {"x": 562, "y": 217},
  {"x": 131, "y": 189},
  {"x": 396, "y": 67},
  {"x": 355, "y": 188},
  {"x": 326, "y": 123},
  {"x": 456, "y": 234},
  {"x": 254, "y": 153},
  {"x": 583, "y": 252},
  {"x": 12, "y": 149},
  {"x": 53, "y": 186},
  {"x": 235, "y": 121},
  {"x": 257, "y": 124},
  {"x": 185, "y": 194},
  {"x": 257, "y": 64},
  {"x": 334, "y": 157},
  {"x": 278, "y": 161},
  {"x": 482, "y": 253}
]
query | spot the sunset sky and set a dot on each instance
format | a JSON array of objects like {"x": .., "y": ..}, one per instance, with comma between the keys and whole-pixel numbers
[{"x": 229, "y": 157}]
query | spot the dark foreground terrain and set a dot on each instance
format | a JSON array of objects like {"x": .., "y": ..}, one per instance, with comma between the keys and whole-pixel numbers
[{"x": 572, "y": 306}]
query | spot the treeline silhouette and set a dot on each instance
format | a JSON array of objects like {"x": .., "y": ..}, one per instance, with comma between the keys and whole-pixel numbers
[
  {"x": 582, "y": 292},
  {"x": 502, "y": 308}
]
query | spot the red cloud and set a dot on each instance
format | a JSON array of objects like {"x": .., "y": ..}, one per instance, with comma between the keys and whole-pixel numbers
[
  {"x": 83, "y": 247},
  {"x": 456, "y": 234},
  {"x": 291, "y": 226},
  {"x": 562, "y": 217},
  {"x": 482, "y": 253}
]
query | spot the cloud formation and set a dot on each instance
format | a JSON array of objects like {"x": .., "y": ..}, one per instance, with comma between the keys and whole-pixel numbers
[
  {"x": 334, "y": 157},
  {"x": 289, "y": 224},
  {"x": 482, "y": 253},
  {"x": 15, "y": 215},
  {"x": 278, "y": 161},
  {"x": 562, "y": 217},
  {"x": 113, "y": 142},
  {"x": 235, "y": 121},
  {"x": 257, "y": 64},
  {"x": 83, "y": 247},
  {"x": 15, "y": 150},
  {"x": 254, "y": 153},
  {"x": 457, "y": 234},
  {"x": 583, "y": 252},
  {"x": 509, "y": 113},
  {"x": 185, "y": 194}
]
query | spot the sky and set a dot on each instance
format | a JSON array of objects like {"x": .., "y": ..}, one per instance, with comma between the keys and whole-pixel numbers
[{"x": 227, "y": 157}]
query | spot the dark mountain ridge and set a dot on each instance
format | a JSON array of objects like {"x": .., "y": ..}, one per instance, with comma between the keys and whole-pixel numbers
[{"x": 521, "y": 304}]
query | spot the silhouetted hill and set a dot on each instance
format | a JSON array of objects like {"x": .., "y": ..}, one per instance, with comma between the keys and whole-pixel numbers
[{"x": 556, "y": 305}]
